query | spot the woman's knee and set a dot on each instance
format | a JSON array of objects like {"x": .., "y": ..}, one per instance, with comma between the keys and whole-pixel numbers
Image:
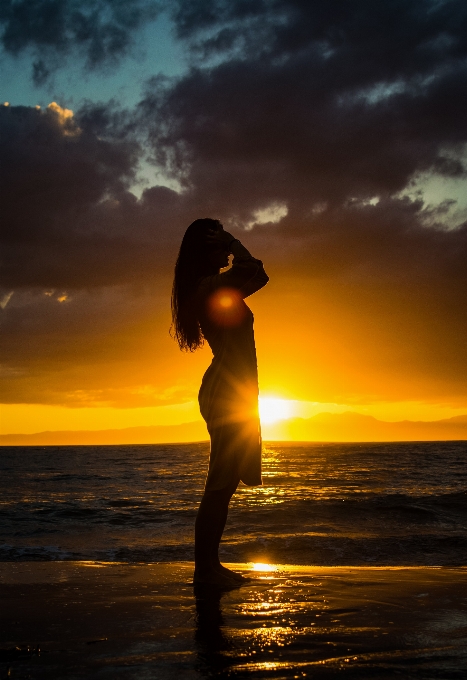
[
  {"x": 220, "y": 496},
  {"x": 230, "y": 489}
]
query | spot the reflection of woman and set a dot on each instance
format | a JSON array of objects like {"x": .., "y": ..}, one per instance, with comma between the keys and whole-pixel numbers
[{"x": 208, "y": 304}]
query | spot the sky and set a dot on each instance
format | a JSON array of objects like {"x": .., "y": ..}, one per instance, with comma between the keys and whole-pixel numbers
[{"x": 330, "y": 136}]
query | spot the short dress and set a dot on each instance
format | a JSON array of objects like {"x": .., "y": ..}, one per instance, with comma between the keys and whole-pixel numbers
[{"x": 228, "y": 396}]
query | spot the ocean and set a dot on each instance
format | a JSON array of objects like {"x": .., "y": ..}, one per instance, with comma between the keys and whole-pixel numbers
[{"x": 321, "y": 504}]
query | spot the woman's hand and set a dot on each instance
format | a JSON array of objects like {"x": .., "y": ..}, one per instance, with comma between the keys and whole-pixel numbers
[{"x": 219, "y": 237}]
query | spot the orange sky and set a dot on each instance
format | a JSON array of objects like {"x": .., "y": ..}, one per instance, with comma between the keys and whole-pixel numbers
[{"x": 335, "y": 355}]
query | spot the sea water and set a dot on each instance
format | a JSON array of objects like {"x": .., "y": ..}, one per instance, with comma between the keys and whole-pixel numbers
[{"x": 320, "y": 504}]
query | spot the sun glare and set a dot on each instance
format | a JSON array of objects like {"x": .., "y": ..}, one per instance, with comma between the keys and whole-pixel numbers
[
  {"x": 271, "y": 409},
  {"x": 261, "y": 566}
]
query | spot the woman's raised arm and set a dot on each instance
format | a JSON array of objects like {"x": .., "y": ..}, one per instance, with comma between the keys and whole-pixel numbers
[{"x": 246, "y": 274}]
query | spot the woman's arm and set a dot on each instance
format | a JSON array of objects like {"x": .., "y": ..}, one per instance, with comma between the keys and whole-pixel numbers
[{"x": 246, "y": 274}]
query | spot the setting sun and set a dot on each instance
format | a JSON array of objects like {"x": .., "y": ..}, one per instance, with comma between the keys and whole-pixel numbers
[
  {"x": 271, "y": 410},
  {"x": 261, "y": 566}
]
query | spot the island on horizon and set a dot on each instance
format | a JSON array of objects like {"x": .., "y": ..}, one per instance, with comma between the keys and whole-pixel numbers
[{"x": 323, "y": 427}]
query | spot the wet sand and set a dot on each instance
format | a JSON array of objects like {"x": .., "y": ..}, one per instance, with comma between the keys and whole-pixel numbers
[{"x": 114, "y": 620}]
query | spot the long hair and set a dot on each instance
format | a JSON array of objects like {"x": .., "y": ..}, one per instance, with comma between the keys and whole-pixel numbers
[{"x": 192, "y": 264}]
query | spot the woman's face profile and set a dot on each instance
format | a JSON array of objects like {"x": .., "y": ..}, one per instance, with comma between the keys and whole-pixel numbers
[
  {"x": 218, "y": 253},
  {"x": 218, "y": 256}
]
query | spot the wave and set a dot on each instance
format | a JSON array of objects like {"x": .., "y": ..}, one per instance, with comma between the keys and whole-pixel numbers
[{"x": 320, "y": 504}]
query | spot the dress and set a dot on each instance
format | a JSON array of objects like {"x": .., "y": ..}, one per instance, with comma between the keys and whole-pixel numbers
[{"x": 228, "y": 396}]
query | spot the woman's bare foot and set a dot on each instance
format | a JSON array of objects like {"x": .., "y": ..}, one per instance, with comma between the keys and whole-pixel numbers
[
  {"x": 213, "y": 577},
  {"x": 238, "y": 578}
]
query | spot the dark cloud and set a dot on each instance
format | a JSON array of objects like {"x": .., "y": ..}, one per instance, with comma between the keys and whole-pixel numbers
[
  {"x": 343, "y": 100},
  {"x": 403, "y": 37},
  {"x": 331, "y": 109},
  {"x": 69, "y": 219},
  {"x": 102, "y": 31}
]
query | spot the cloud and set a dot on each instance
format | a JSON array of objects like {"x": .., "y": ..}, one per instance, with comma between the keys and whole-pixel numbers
[
  {"x": 342, "y": 100},
  {"x": 332, "y": 110},
  {"x": 6, "y": 297},
  {"x": 69, "y": 219},
  {"x": 65, "y": 119},
  {"x": 102, "y": 31},
  {"x": 272, "y": 213}
]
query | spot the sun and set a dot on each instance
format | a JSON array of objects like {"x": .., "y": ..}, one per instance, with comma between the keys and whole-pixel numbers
[
  {"x": 262, "y": 566},
  {"x": 272, "y": 409}
]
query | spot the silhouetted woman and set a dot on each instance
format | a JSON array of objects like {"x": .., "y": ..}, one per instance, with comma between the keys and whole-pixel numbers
[{"x": 207, "y": 304}]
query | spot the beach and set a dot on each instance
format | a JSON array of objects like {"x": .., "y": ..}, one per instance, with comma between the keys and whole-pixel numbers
[
  {"x": 113, "y": 620},
  {"x": 366, "y": 542}
]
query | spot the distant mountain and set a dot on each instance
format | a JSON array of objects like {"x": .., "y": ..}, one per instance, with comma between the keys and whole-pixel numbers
[
  {"x": 324, "y": 427},
  {"x": 187, "y": 432},
  {"x": 355, "y": 427}
]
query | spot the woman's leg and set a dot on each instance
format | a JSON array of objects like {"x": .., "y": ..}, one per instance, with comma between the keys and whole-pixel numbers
[
  {"x": 220, "y": 524},
  {"x": 209, "y": 527}
]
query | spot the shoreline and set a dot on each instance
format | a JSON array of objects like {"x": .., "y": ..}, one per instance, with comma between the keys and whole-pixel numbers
[{"x": 120, "y": 620}]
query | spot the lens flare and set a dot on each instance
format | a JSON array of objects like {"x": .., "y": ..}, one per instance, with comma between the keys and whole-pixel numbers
[
  {"x": 226, "y": 307},
  {"x": 226, "y": 301}
]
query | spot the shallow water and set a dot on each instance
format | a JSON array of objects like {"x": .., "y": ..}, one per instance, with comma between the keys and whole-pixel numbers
[
  {"x": 134, "y": 622},
  {"x": 328, "y": 504}
]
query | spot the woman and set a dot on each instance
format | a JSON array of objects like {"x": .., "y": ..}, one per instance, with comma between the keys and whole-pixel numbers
[{"x": 207, "y": 304}]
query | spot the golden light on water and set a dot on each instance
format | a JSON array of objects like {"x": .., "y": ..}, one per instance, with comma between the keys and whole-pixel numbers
[{"x": 271, "y": 409}]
